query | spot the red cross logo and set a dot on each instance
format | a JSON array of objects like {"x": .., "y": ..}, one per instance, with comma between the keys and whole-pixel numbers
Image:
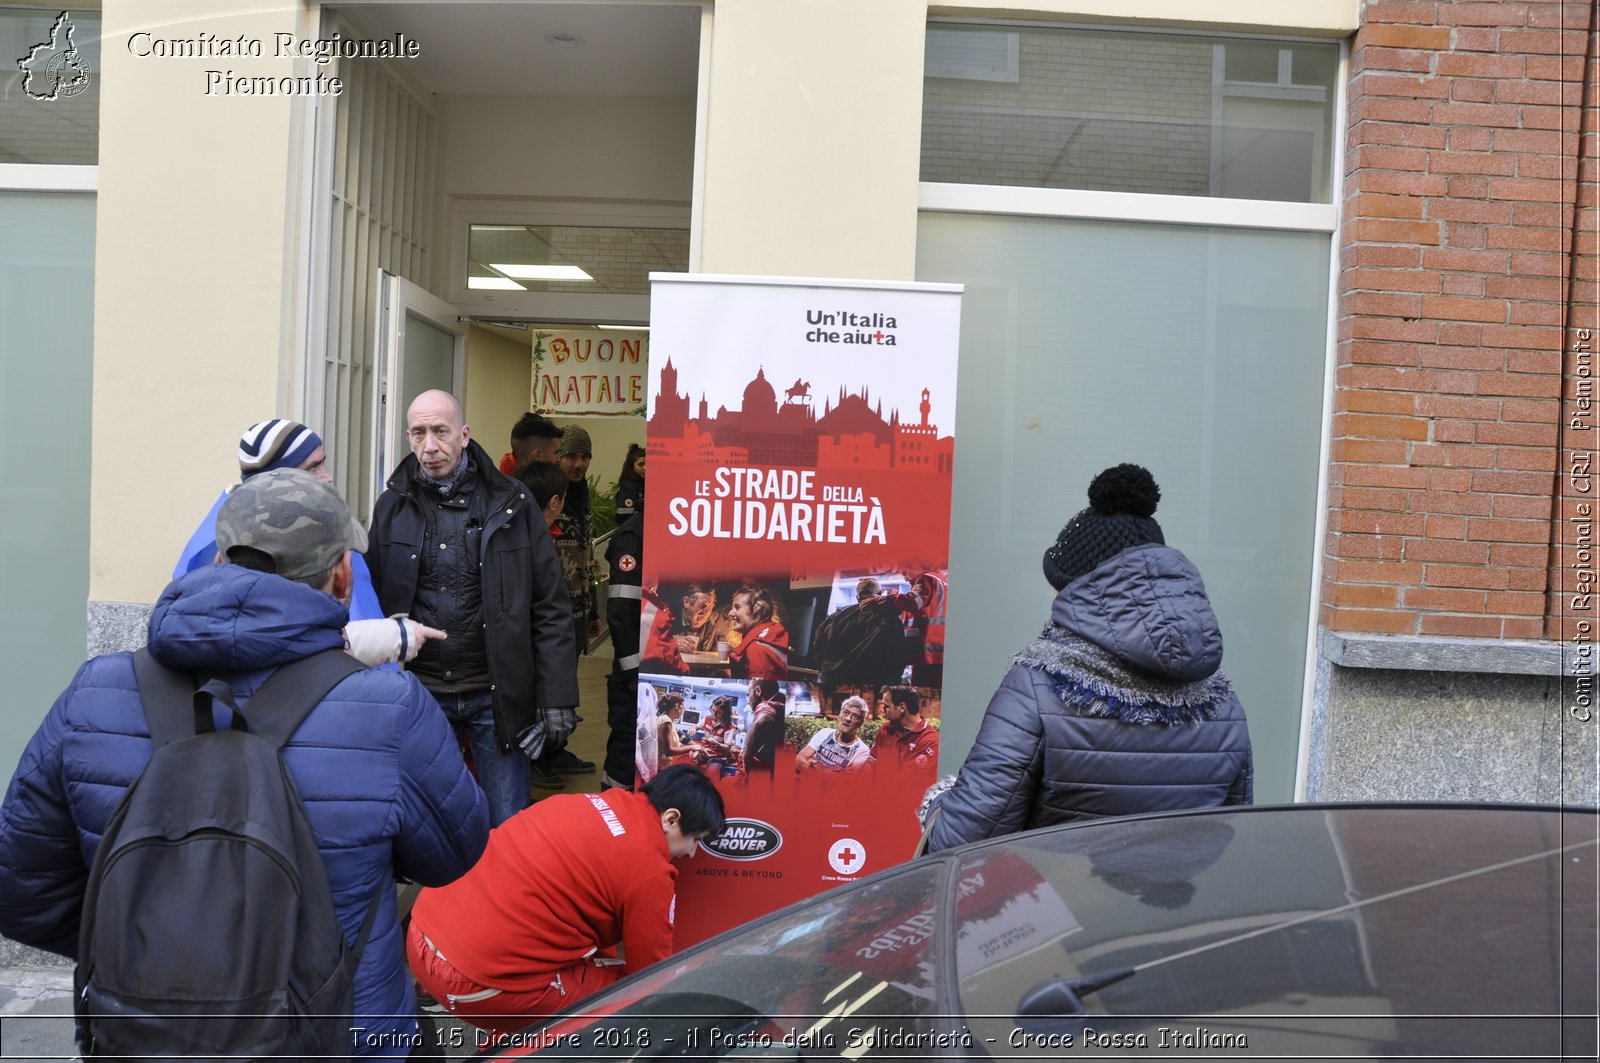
[
  {"x": 627, "y": 563},
  {"x": 847, "y": 856}
]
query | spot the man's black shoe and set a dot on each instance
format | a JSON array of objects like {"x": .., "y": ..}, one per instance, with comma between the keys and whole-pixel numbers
[
  {"x": 544, "y": 778},
  {"x": 567, "y": 762}
]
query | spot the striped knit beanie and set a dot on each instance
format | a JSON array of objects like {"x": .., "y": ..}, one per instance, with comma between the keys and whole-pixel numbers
[{"x": 275, "y": 444}]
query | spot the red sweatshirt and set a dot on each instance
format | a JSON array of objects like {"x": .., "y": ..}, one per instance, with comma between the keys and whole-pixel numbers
[
  {"x": 560, "y": 880},
  {"x": 763, "y": 653},
  {"x": 660, "y": 650}
]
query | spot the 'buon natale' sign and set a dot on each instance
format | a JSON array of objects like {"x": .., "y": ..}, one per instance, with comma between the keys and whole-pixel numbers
[{"x": 590, "y": 371}]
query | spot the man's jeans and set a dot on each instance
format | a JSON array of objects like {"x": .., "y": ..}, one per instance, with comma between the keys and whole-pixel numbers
[{"x": 503, "y": 776}]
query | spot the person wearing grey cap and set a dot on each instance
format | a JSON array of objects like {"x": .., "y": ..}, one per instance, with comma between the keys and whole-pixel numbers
[
  {"x": 1120, "y": 706},
  {"x": 386, "y": 792},
  {"x": 462, "y": 547}
]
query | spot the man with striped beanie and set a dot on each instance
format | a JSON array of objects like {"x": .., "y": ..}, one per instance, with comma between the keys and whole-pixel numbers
[{"x": 280, "y": 443}]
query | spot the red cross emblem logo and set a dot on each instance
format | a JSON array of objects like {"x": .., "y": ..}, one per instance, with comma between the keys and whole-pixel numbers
[
  {"x": 847, "y": 856},
  {"x": 627, "y": 563}
]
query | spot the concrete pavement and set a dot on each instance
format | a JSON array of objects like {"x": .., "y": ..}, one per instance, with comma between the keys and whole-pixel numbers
[
  {"x": 36, "y": 1009},
  {"x": 35, "y": 1004}
]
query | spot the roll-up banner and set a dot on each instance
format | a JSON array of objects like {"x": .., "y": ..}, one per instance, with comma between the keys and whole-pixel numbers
[{"x": 800, "y": 448}]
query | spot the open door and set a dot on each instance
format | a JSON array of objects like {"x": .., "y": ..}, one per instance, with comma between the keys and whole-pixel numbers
[{"x": 420, "y": 345}]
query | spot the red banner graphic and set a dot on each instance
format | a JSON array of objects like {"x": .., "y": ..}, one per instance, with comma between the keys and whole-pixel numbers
[{"x": 796, "y": 544}]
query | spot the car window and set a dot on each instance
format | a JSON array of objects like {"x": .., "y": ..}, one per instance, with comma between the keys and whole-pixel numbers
[
  {"x": 851, "y": 974},
  {"x": 1288, "y": 933}
]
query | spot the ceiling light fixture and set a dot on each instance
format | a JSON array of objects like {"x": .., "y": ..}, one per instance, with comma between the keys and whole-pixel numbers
[
  {"x": 564, "y": 40},
  {"x": 499, "y": 284},
  {"x": 527, "y": 272}
]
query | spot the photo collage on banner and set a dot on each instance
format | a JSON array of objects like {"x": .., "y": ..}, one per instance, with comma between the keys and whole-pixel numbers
[{"x": 801, "y": 445}]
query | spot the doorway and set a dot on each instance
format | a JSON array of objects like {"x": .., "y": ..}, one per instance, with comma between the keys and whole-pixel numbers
[{"x": 563, "y": 126}]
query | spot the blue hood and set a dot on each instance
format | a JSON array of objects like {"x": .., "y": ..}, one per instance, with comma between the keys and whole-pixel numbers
[
  {"x": 223, "y": 618},
  {"x": 1147, "y": 606}
]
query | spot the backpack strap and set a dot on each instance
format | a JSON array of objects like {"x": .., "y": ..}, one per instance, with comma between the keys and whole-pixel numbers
[
  {"x": 170, "y": 700},
  {"x": 277, "y": 710}
]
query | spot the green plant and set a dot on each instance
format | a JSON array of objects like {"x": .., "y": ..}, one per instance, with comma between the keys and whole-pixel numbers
[
  {"x": 602, "y": 506},
  {"x": 538, "y": 363}
]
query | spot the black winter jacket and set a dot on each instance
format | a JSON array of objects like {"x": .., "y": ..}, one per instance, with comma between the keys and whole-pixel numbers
[
  {"x": 1119, "y": 707},
  {"x": 528, "y": 636}
]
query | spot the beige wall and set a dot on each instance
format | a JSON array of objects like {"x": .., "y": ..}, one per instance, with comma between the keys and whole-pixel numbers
[
  {"x": 193, "y": 238},
  {"x": 499, "y": 378},
  {"x": 811, "y": 138},
  {"x": 612, "y": 148}
]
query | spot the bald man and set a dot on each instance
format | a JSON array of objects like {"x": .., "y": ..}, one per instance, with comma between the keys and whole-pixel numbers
[{"x": 460, "y": 546}]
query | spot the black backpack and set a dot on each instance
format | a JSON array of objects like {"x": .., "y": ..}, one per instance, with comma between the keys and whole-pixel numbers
[
  {"x": 208, "y": 926},
  {"x": 862, "y": 644}
]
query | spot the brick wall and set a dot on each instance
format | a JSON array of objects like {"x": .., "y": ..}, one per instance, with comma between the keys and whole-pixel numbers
[{"x": 1462, "y": 292}]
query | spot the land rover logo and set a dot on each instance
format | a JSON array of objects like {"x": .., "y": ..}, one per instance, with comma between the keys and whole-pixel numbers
[{"x": 745, "y": 839}]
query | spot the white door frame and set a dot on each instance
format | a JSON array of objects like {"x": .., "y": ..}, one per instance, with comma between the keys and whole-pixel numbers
[{"x": 399, "y": 299}]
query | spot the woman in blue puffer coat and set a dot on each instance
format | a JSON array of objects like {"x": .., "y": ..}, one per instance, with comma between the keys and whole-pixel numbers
[{"x": 1120, "y": 705}]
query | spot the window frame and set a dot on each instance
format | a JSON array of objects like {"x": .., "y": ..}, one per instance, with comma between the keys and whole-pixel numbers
[{"x": 1059, "y": 203}]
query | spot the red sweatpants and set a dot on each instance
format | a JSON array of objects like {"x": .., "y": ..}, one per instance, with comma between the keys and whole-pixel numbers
[{"x": 500, "y": 1011}]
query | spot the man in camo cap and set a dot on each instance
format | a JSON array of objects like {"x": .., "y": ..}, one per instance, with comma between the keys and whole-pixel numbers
[{"x": 289, "y": 523}]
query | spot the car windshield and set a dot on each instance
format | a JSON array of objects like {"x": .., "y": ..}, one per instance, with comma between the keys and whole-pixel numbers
[{"x": 853, "y": 973}]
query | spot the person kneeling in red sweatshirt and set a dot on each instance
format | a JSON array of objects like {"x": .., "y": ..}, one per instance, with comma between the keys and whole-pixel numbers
[{"x": 522, "y": 934}]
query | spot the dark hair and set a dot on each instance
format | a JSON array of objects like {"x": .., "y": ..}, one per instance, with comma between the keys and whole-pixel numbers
[
  {"x": 260, "y": 561},
  {"x": 905, "y": 697},
  {"x": 666, "y": 702},
  {"x": 723, "y": 705},
  {"x": 695, "y": 797},
  {"x": 767, "y": 689},
  {"x": 532, "y": 426},
  {"x": 545, "y": 479},
  {"x": 635, "y": 452}
]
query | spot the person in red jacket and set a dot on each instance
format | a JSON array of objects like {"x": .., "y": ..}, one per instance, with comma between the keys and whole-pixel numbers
[
  {"x": 534, "y": 925},
  {"x": 660, "y": 650},
  {"x": 906, "y": 740},
  {"x": 763, "y": 649}
]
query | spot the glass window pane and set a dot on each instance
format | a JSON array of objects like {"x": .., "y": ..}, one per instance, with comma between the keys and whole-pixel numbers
[
  {"x": 1128, "y": 112},
  {"x": 587, "y": 260},
  {"x": 46, "y": 327},
  {"x": 50, "y": 111},
  {"x": 1314, "y": 64},
  {"x": 1197, "y": 352},
  {"x": 1251, "y": 61}
]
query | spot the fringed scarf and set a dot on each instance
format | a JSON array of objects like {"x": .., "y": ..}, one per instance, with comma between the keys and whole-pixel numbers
[{"x": 1094, "y": 682}]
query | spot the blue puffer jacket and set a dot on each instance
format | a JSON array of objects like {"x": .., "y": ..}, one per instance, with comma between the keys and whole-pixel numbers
[
  {"x": 376, "y": 764},
  {"x": 1119, "y": 707}
]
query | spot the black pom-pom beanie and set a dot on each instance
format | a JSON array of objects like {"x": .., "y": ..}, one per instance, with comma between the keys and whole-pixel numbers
[{"x": 1120, "y": 515}]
